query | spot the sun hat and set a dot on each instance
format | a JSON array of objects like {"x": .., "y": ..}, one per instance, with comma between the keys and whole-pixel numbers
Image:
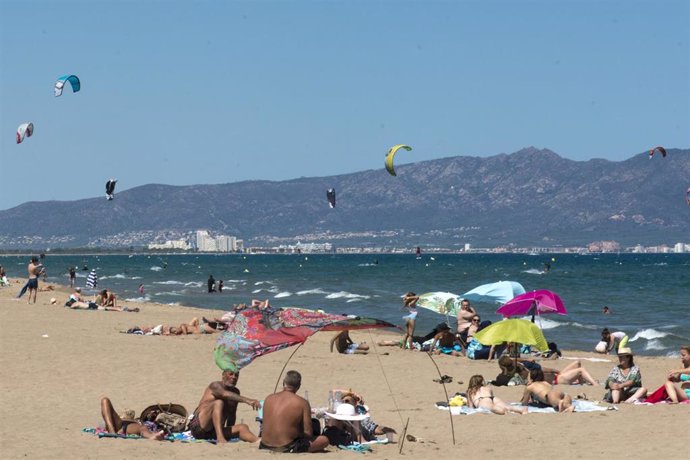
[
  {"x": 624, "y": 351},
  {"x": 348, "y": 413}
]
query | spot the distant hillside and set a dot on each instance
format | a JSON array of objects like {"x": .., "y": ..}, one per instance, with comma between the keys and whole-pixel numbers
[{"x": 530, "y": 197}]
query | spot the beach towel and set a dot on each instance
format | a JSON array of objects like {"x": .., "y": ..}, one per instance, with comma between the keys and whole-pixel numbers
[
  {"x": 185, "y": 437},
  {"x": 92, "y": 280},
  {"x": 580, "y": 406}
]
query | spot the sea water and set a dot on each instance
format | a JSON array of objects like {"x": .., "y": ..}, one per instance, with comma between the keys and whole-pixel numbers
[{"x": 648, "y": 294}]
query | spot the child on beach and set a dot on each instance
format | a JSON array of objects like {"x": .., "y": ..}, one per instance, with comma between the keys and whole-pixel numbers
[{"x": 481, "y": 396}]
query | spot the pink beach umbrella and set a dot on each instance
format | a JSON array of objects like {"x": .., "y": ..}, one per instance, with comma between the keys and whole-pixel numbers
[{"x": 535, "y": 302}]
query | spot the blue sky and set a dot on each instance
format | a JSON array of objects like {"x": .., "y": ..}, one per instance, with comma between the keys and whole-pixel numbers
[{"x": 214, "y": 92}]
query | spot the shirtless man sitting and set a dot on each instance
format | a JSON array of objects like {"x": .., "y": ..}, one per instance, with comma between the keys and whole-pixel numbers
[
  {"x": 287, "y": 421},
  {"x": 545, "y": 393},
  {"x": 345, "y": 345},
  {"x": 215, "y": 417},
  {"x": 116, "y": 425},
  {"x": 444, "y": 342}
]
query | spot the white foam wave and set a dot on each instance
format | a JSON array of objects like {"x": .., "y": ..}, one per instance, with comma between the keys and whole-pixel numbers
[
  {"x": 168, "y": 282},
  {"x": 135, "y": 278},
  {"x": 170, "y": 293},
  {"x": 648, "y": 334},
  {"x": 312, "y": 291},
  {"x": 533, "y": 271},
  {"x": 654, "y": 345},
  {"x": 346, "y": 295},
  {"x": 156, "y": 268},
  {"x": 367, "y": 265},
  {"x": 545, "y": 323},
  {"x": 259, "y": 283},
  {"x": 353, "y": 300},
  {"x": 118, "y": 276},
  {"x": 194, "y": 284},
  {"x": 139, "y": 299},
  {"x": 283, "y": 294}
]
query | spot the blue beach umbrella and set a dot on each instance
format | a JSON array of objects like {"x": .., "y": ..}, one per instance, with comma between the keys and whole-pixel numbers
[{"x": 500, "y": 292}]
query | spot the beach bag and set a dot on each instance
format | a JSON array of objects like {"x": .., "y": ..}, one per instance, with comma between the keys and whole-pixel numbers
[{"x": 171, "y": 418}]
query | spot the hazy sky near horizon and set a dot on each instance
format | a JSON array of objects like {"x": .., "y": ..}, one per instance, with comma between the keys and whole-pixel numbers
[{"x": 213, "y": 92}]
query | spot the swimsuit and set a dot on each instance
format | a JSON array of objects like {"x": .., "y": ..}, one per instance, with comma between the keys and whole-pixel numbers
[
  {"x": 475, "y": 402},
  {"x": 555, "y": 378},
  {"x": 125, "y": 424},
  {"x": 297, "y": 446},
  {"x": 412, "y": 315},
  {"x": 33, "y": 283},
  {"x": 198, "y": 432}
]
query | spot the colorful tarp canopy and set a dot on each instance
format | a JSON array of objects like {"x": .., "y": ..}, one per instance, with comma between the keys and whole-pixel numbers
[{"x": 255, "y": 332}]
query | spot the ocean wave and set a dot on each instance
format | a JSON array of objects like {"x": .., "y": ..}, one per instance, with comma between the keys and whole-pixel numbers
[
  {"x": 194, "y": 284},
  {"x": 168, "y": 282},
  {"x": 533, "y": 271},
  {"x": 283, "y": 294},
  {"x": 312, "y": 291},
  {"x": 118, "y": 276},
  {"x": 654, "y": 345},
  {"x": 170, "y": 293},
  {"x": 353, "y": 300},
  {"x": 156, "y": 268},
  {"x": 367, "y": 265},
  {"x": 139, "y": 299},
  {"x": 272, "y": 290},
  {"x": 648, "y": 334},
  {"x": 135, "y": 278},
  {"x": 259, "y": 283},
  {"x": 548, "y": 323},
  {"x": 346, "y": 295}
]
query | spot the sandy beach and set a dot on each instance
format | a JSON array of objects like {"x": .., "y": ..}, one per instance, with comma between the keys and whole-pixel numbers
[{"x": 51, "y": 387}]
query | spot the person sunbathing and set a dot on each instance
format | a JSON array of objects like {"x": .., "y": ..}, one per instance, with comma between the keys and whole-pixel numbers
[
  {"x": 572, "y": 374},
  {"x": 480, "y": 396},
  {"x": 126, "y": 425},
  {"x": 345, "y": 345},
  {"x": 542, "y": 392}
]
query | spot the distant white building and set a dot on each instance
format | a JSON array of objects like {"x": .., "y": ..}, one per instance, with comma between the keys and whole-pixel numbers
[
  {"x": 680, "y": 247},
  {"x": 221, "y": 243},
  {"x": 171, "y": 244}
]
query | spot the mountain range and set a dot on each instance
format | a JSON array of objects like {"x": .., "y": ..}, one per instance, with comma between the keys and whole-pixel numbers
[{"x": 532, "y": 197}]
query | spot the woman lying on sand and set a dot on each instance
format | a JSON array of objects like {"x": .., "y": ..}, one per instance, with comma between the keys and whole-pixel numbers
[
  {"x": 481, "y": 396},
  {"x": 192, "y": 327},
  {"x": 76, "y": 302},
  {"x": 126, "y": 425},
  {"x": 540, "y": 391},
  {"x": 572, "y": 374}
]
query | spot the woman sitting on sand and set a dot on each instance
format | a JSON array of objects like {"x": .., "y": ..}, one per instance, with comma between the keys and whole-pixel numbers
[
  {"x": 625, "y": 380},
  {"x": 540, "y": 391},
  {"x": 572, "y": 374},
  {"x": 680, "y": 375},
  {"x": 480, "y": 396},
  {"x": 107, "y": 299}
]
